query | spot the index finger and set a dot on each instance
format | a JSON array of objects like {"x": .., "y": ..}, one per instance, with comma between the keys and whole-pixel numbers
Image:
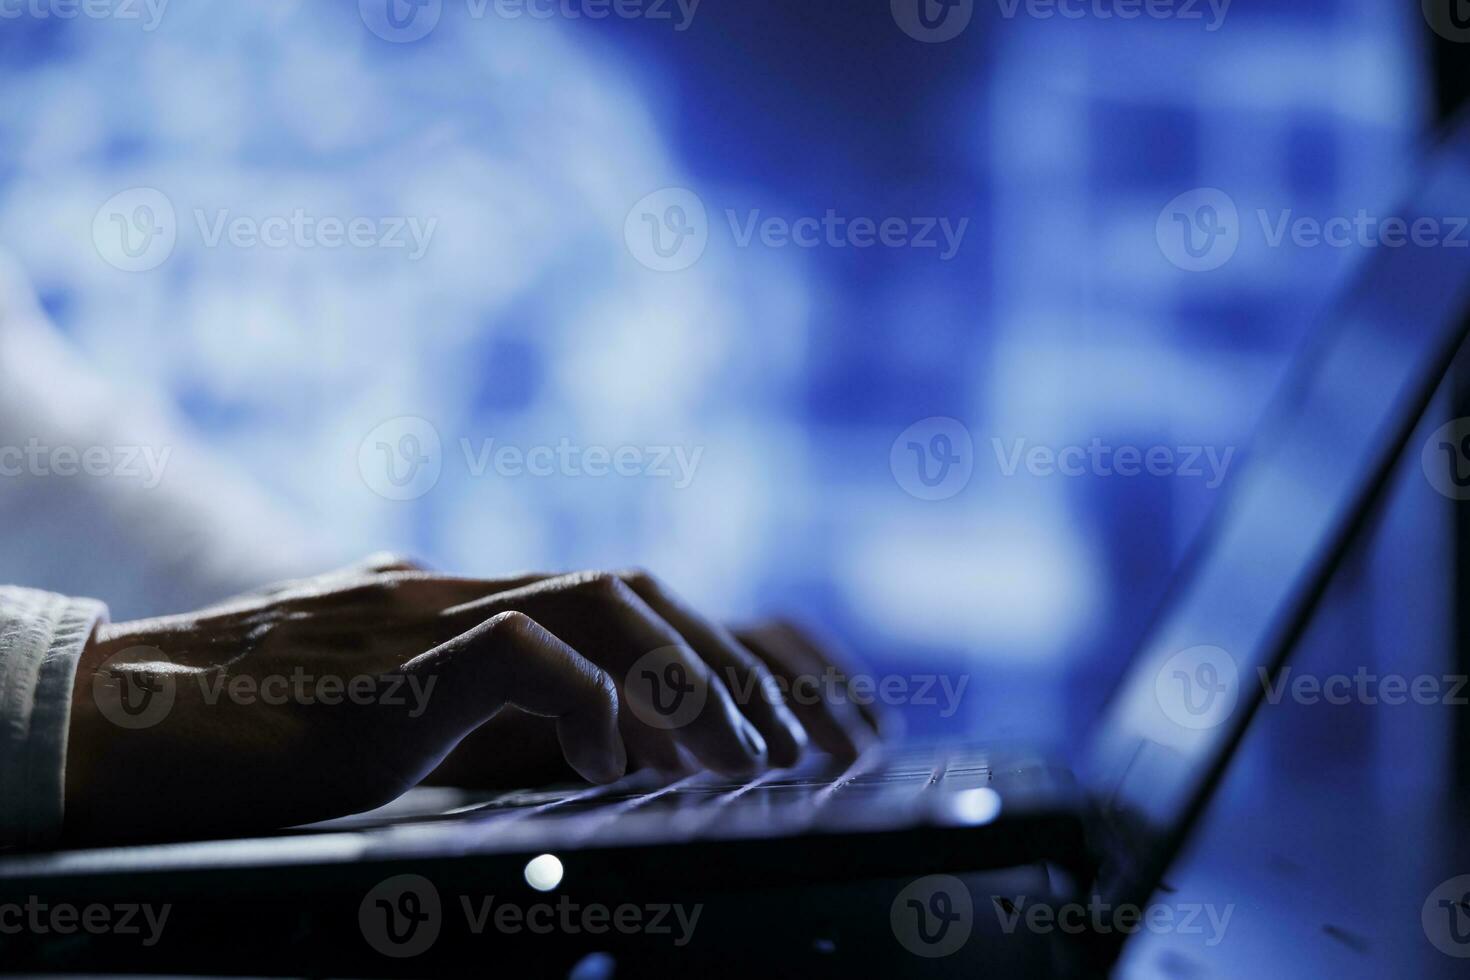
[{"x": 510, "y": 659}]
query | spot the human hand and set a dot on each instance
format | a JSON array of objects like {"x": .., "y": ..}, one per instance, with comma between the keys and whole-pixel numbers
[
  {"x": 432, "y": 658},
  {"x": 517, "y": 749}
]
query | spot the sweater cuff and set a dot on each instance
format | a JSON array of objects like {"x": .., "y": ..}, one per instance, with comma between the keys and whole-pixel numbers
[{"x": 42, "y": 636}]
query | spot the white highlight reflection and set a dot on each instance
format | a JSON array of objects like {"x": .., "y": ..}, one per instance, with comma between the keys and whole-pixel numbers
[{"x": 544, "y": 872}]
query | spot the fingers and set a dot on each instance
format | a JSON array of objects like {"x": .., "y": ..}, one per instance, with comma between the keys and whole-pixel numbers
[
  {"x": 671, "y": 695},
  {"x": 885, "y": 723},
  {"x": 614, "y": 621},
  {"x": 513, "y": 750},
  {"x": 748, "y": 679},
  {"x": 745, "y": 676},
  {"x": 509, "y": 659},
  {"x": 836, "y": 722}
]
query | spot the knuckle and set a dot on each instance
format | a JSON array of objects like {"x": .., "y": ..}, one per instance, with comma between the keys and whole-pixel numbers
[
  {"x": 748, "y": 663},
  {"x": 389, "y": 561},
  {"x": 385, "y": 585},
  {"x": 605, "y": 688},
  {"x": 785, "y": 625},
  {"x": 511, "y": 623},
  {"x": 603, "y": 587},
  {"x": 639, "y": 579}
]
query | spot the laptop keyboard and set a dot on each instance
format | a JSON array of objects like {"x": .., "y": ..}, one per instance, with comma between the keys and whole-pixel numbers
[{"x": 885, "y": 785}]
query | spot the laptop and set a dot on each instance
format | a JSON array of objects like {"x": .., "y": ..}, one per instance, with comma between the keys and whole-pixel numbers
[{"x": 916, "y": 859}]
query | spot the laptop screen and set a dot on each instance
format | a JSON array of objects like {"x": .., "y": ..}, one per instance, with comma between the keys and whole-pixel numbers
[{"x": 1348, "y": 405}]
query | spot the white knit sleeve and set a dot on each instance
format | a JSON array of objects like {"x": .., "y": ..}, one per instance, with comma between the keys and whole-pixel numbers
[{"x": 41, "y": 639}]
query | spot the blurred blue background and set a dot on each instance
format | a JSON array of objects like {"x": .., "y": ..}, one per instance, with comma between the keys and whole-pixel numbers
[
  {"x": 529, "y": 143},
  {"x": 300, "y": 390}
]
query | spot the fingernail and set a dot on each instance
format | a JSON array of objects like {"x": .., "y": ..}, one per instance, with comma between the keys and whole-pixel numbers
[
  {"x": 617, "y": 758},
  {"x": 754, "y": 744},
  {"x": 789, "y": 740}
]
